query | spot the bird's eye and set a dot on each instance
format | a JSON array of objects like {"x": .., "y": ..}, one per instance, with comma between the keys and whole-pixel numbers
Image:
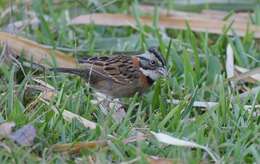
[{"x": 152, "y": 62}]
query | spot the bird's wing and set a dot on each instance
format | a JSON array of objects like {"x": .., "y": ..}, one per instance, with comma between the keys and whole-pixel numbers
[
  {"x": 87, "y": 73},
  {"x": 118, "y": 68}
]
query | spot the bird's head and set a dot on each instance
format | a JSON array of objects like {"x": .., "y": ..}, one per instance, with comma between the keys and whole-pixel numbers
[{"x": 152, "y": 64}]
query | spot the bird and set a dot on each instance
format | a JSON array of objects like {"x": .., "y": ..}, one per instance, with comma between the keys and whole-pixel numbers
[{"x": 121, "y": 75}]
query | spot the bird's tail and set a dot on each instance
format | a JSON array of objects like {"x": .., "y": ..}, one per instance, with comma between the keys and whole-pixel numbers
[{"x": 68, "y": 70}]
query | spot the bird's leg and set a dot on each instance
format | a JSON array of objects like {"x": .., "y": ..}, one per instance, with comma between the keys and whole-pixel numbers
[
  {"x": 107, "y": 104},
  {"x": 102, "y": 101},
  {"x": 119, "y": 110}
]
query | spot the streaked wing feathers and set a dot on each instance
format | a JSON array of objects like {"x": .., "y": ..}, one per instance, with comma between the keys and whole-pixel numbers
[{"x": 119, "y": 68}]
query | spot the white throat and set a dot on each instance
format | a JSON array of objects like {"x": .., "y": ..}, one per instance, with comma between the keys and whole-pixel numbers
[{"x": 150, "y": 73}]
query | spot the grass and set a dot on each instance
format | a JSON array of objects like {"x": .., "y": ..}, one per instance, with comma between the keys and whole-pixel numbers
[{"x": 196, "y": 63}]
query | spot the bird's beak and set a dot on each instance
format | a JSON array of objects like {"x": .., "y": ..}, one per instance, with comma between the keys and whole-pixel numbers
[{"x": 163, "y": 71}]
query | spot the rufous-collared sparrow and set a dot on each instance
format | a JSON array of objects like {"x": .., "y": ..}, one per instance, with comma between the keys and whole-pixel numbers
[{"x": 121, "y": 75}]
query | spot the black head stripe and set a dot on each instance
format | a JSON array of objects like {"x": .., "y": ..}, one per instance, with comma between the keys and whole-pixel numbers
[
  {"x": 143, "y": 58},
  {"x": 145, "y": 66},
  {"x": 159, "y": 56}
]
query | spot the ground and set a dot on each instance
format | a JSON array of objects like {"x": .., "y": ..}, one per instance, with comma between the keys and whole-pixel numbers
[{"x": 197, "y": 72}]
